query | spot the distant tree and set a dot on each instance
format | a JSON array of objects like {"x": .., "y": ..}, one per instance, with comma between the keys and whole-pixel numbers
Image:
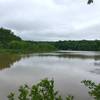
[
  {"x": 7, "y": 35},
  {"x": 90, "y": 1}
]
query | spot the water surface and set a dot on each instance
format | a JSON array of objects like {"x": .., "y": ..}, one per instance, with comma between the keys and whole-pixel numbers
[{"x": 67, "y": 68}]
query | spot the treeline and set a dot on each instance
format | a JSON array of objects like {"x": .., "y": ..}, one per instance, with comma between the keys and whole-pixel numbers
[
  {"x": 12, "y": 43},
  {"x": 84, "y": 45}
]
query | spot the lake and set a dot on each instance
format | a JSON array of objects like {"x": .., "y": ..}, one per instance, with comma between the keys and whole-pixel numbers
[{"x": 67, "y": 68}]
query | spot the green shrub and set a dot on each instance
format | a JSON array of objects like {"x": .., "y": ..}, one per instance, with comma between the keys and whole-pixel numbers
[
  {"x": 94, "y": 89},
  {"x": 42, "y": 91}
]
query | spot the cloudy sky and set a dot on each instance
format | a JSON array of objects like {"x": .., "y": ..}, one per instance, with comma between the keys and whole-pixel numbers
[{"x": 51, "y": 19}]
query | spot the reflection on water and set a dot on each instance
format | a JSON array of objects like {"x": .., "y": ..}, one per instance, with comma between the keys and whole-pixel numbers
[
  {"x": 96, "y": 71},
  {"x": 72, "y": 55},
  {"x": 67, "y": 68},
  {"x": 97, "y": 63},
  {"x": 6, "y": 61}
]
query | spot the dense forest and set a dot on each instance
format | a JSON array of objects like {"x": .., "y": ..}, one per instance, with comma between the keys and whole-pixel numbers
[
  {"x": 12, "y": 43},
  {"x": 84, "y": 45}
]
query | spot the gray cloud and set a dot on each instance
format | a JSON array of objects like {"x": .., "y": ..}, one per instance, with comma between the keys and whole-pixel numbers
[{"x": 51, "y": 19}]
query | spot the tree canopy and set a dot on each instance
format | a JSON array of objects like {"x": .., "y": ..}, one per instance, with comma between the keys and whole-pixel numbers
[
  {"x": 7, "y": 35},
  {"x": 90, "y": 1}
]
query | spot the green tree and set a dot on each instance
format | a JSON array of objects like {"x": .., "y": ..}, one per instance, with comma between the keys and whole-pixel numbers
[
  {"x": 7, "y": 36},
  {"x": 90, "y": 1}
]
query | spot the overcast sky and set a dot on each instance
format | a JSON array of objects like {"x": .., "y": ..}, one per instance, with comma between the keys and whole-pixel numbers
[{"x": 51, "y": 19}]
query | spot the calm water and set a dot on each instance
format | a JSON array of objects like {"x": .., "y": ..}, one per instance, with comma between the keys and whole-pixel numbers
[{"x": 68, "y": 68}]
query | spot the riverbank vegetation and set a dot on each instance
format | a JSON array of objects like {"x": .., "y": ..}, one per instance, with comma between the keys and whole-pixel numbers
[
  {"x": 94, "y": 89},
  {"x": 10, "y": 43},
  {"x": 45, "y": 91},
  {"x": 83, "y": 45},
  {"x": 41, "y": 91}
]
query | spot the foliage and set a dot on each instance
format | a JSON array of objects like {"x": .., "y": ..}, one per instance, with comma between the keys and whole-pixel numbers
[
  {"x": 94, "y": 89},
  {"x": 84, "y": 45},
  {"x": 45, "y": 91},
  {"x": 42, "y": 91},
  {"x": 90, "y": 1},
  {"x": 14, "y": 44},
  {"x": 7, "y": 35},
  {"x": 70, "y": 97}
]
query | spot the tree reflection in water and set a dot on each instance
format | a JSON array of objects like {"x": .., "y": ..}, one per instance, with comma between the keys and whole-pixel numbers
[{"x": 6, "y": 60}]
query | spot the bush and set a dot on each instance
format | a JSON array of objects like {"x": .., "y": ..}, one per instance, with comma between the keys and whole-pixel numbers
[
  {"x": 45, "y": 91},
  {"x": 94, "y": 89},
  {"x": 42, "y": 91}
]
